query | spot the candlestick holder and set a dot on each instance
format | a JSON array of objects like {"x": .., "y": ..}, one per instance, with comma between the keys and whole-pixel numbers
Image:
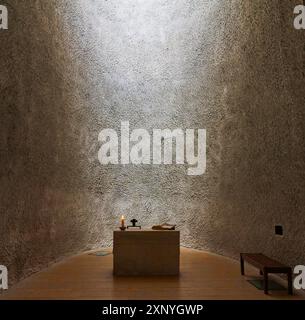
[{"x": 123, "y": 228}]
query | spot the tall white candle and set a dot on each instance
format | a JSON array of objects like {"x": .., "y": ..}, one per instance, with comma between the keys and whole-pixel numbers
[{"x": 122, "y": 221}]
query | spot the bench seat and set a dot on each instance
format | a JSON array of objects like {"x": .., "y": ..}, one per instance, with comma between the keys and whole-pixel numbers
[{"x": 266, "y": 265}]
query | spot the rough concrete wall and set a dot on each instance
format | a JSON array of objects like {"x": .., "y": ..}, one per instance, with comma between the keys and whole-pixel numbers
[{"x": 70, "y": 68}]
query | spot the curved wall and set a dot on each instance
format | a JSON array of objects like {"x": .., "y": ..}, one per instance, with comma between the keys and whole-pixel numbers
[{"x": 72, "y": 68}]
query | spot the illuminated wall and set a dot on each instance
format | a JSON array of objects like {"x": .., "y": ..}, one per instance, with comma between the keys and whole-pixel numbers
[{"x": 72, "y": 68}]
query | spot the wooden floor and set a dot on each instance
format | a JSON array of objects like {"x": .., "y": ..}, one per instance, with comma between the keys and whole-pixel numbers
[{"x": 203, "y": 276}]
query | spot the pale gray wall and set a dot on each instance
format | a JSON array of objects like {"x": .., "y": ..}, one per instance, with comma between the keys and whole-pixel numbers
[{"x": 70, "y": 68}]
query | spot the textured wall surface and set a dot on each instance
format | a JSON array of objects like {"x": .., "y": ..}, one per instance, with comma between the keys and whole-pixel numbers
[{"x": 70, "y": 68}]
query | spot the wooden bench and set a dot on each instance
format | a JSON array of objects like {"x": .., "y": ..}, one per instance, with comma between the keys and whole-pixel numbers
[{"x": 266, "y": 265}]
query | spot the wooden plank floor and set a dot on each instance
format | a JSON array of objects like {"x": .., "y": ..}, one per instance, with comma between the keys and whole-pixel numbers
[{"x": 203, "y": 276}]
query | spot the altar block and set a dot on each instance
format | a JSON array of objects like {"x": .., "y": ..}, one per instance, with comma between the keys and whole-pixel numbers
[{"x": 146, "y": 252}]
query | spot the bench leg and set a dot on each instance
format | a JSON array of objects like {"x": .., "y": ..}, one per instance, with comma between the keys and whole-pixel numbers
[
  {"x": 261, "y": 272},
  {"x": 290, "y": 288},
  {"x": 242, "y": 265},
  {"x": 266, "y": 282}
]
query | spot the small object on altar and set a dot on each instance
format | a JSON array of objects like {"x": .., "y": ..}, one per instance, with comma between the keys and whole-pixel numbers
[
  {"x": 122, "y": 227},
  {"x": 164, "y": 226},
  {"x": 134, "y": 224}
]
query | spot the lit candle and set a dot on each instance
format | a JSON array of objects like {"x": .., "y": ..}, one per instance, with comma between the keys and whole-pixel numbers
[{"x": 123, "y": 222}]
